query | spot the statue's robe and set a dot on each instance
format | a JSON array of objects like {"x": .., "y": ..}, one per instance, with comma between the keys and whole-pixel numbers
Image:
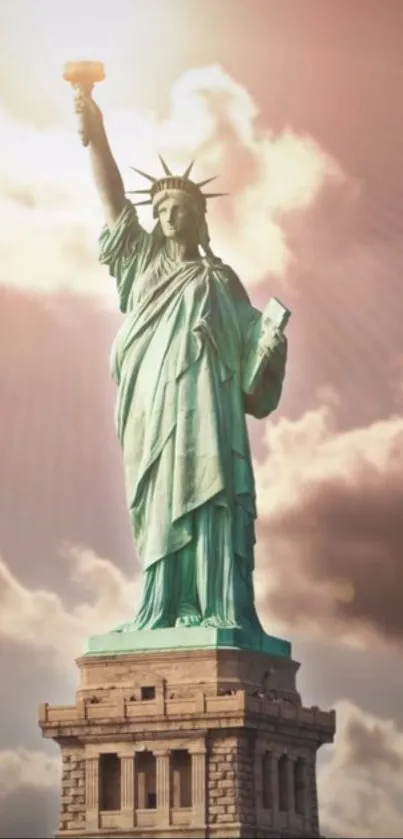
[{"x": 179, "y": 363}]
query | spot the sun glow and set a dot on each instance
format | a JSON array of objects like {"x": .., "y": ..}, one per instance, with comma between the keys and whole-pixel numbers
[
  {"x": 76, "y": 31},
  {"x": 127, "y": 36},
  {"x": 79, "y": 30}
]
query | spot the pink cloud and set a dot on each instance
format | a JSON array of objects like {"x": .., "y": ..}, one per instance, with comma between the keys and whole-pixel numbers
[
  {"x": 331, "y": 526},
  {"x": 360, "y": 784}
]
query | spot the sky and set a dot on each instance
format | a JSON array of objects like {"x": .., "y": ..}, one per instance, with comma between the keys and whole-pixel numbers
[{"x": 298, "y": 107}]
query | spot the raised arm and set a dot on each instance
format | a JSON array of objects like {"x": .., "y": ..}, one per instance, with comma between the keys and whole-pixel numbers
[
  {"x": 106, "y": 173},
  {"x": 124, "y": 246}
]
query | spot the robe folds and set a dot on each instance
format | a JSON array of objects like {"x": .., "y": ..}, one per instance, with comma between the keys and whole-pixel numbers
[{"x": 179, "y": 362}]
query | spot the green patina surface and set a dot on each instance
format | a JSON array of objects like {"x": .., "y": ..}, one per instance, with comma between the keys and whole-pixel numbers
[
  {"x": 192, "y": 358},
  {"x": 186, "y": 638}
]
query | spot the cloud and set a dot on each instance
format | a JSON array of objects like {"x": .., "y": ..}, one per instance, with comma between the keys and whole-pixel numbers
[
  {"x": 49, "y": 204},
  {"x": 29, "y": 812},
  {"x": 330, "y": 505},
  {"x": 360, "y": 786},
  {"x": 22, "y": 768},
  {"x": 61, "y": 466},
  {"x": 38, "y": 618},
  {"x": 373, "y": 746},
  {"x": 31, "y": 777},
  {"x": 214, "y": 119}
]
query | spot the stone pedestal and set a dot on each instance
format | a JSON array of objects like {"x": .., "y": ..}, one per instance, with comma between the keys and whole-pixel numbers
[{"x": 188, "y": 743}]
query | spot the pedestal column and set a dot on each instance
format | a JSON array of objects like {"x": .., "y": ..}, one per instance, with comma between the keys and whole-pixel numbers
[
  {"x": 163, "y": 786},
  {"x": 275, "y": 795},
  {"x": 290, "y": 787},
  {"x": 198, "y": 786},
  {"x": 127, "y": 789},
  {"x": 92, "y": 793}
]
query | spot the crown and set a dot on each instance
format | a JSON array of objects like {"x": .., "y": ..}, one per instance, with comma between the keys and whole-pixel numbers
[{"x": 181, "y": 183}]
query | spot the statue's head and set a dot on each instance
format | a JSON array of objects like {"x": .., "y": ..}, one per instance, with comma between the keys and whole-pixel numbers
[
  {"x": 179, "y": 205},
  {"x": 180, "y": 218}
]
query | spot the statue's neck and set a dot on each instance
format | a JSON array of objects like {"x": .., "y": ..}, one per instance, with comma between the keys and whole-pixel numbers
[{"x": 181, "y": 251}]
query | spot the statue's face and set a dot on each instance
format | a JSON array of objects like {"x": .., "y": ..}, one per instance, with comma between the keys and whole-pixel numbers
[{"x": 176, "y": 218}]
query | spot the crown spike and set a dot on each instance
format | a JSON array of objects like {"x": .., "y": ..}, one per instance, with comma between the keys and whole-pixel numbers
[
  {"x": 207, "y": 181},
  {"x": 214, "y": 194},
  {"x": 138, "y": 192},
  {"x": 144, "y": 174},
  {"x": 165, "y": 167},
  {"x": 188, "y": 170}
]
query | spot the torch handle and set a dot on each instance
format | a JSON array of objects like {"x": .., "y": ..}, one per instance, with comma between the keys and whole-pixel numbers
[{"x": 84, "y": 91}]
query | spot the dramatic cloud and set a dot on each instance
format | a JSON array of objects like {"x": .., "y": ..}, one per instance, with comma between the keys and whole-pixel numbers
[
  {"x": 32, "y": 778},
  {"x": 50, "y": 217},
  {"x": 214, "y": 119},
  {"x": 39, "y": 618},
  {"x": 331, "y": 526},
  {"x": 29, "y": 812},
  {"x": 22, "y": 768},
  {"x": 360, "y": 786}
]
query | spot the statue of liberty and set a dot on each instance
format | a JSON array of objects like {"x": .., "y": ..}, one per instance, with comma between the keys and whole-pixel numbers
[{"x": 192, "y": 358}]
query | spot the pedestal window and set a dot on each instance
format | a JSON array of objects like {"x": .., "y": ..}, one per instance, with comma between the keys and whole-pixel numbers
[
  {"x": 109, "y": 782},
  {"x": 146, "y": 781},
  {"x": 181, "y": 779}
]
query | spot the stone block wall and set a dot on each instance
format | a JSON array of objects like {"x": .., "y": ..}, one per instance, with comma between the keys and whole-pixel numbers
[
  {"x": 73, "y": 809},
  {"x": 231, "y": 779}
]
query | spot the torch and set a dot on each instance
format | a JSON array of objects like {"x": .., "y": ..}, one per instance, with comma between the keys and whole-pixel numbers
[{"x": 82, "y": 76}]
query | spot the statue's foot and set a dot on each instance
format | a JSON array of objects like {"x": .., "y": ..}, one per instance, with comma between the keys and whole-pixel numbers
[
  {"x": 215, "y": 623},
  {"x": 134, "y": 626},
  {"x": 188, "y": 620}
]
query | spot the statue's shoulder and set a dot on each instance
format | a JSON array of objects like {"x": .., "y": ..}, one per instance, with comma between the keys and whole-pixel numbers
[
  {"x": 221, "y": 266},
  {"x": 230, "y": 278},
  {"x": 223, "y": 271}
]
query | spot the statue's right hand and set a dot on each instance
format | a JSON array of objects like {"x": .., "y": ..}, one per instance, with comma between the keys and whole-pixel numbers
[{"x": 90, "y": 120}]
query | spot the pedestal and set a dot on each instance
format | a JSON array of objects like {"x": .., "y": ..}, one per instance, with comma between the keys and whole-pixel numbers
[{"x": 182, "y": 741}]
